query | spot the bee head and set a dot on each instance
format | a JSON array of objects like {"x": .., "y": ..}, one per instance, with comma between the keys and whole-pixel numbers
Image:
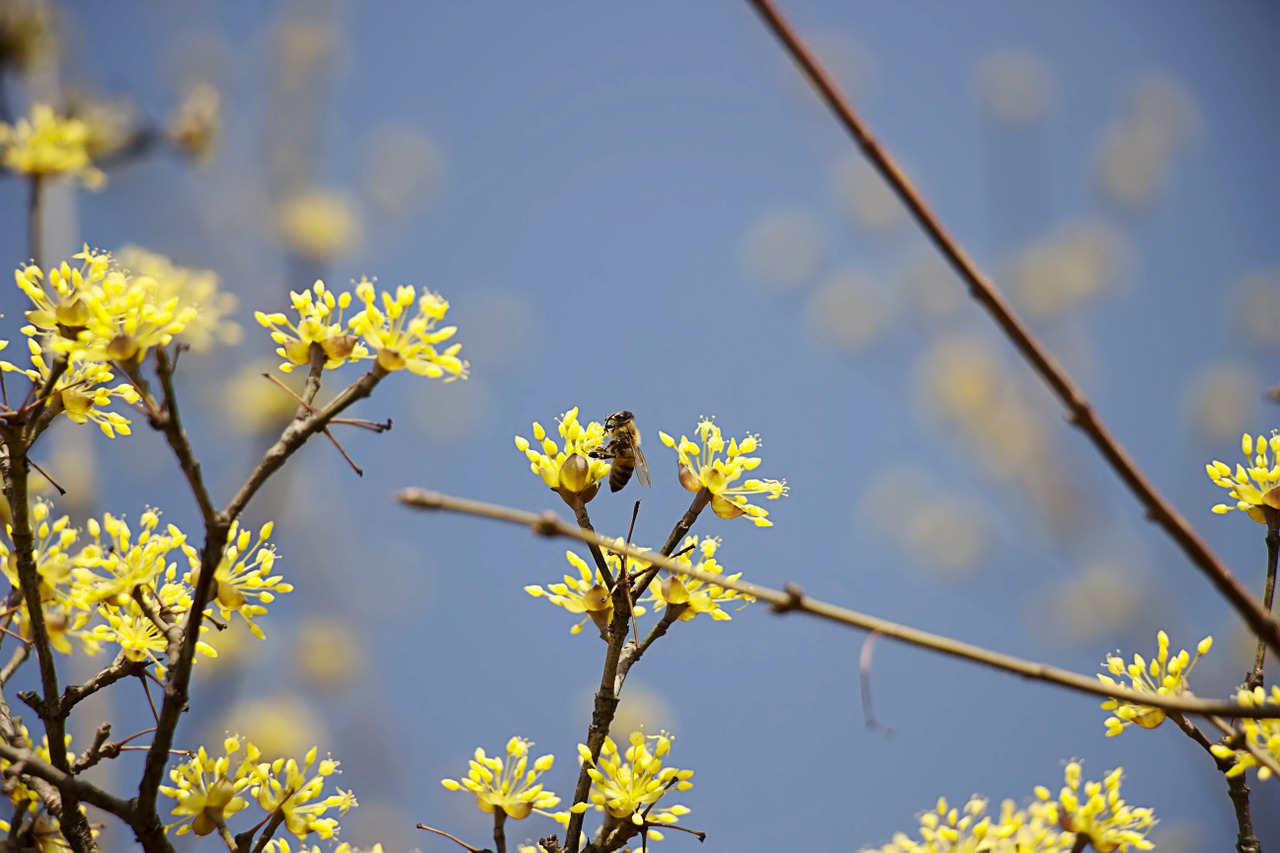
[{"x": 617, "y": 419}]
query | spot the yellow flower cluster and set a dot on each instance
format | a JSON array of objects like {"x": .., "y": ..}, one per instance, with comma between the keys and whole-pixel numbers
[
  {"x": 210, "y": 791},
  {"x": 401, "y": 338},
  {"x": 109, "y": 589},
  {"x": 571, "y": 471},
  {"x": 48, "y": 145},
  {"x": 87, "y": 316},
  {"x": 588, "y": 592},
  {"x": 1262, "y": 735},
  {"x": 713, "y": 465},
  {"x": 1096, "y": 816},
  {"x": 508, "y": 786},
  {"x": 690, "y": 597},
  {"x": 627, "y": 787},
  {"x": 1161, "y": 675},
  {"x": 1254, "y": 488}
]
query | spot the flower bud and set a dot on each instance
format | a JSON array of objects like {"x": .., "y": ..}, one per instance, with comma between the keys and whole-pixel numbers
[
  {"x": 72, "y": 315},
  {"x": 574, "y": 473}
]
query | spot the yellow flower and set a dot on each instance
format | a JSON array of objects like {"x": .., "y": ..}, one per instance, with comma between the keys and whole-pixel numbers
[
  {"x": 690, "y": 596},
  {"x": 628, "y": 787},
  {"x": 406, "y": 340},
  {"x": 1254, "y": 488},
  {"x": 946, "y": 829},
  {"x": 1160, "y": 675},
  {"x": 99, "y": 311},
  {"x": 1264, "y": 735},
  {"x": 47, "y": 145},
  {"x": 209, "y": 791},
  {"x": 286, "y": 786},
  {"x": 1099, "y": 813},
  {"x": 507, "y": 786},
  {"x": 571, "y": 471},
  {"x": 243, "y": 582},
  {"x": 81, "y": 392},
  {"x": 588, "y": 592},
  {"x": 715, "y": 466},
  {"x": 316, "y": 324}
]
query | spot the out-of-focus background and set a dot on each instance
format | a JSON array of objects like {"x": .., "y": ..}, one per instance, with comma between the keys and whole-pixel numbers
[{"x": 643, "y": 206}]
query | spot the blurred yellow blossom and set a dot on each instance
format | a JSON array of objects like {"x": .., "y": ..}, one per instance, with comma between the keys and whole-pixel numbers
[
  {"x": 196, "y": 122},
  {"x": 319, "y": 224},
  {"x": 702, "y": 466},
  {"x": 47, "y": 145},
  {"x": 1161, "y": 675},
  {"x": 509, "y": 786},
  {"x": 212, "y": 321}
]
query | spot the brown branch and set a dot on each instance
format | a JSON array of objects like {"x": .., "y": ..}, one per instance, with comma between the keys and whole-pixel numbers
[
  {"x": 793, "y": 599},
  {"x": 1079, "y": 411},
  {"x": 1237, "y": 787}
]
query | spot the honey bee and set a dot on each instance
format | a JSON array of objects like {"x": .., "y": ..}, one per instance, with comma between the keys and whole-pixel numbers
[{"x": 623, "y": 447}]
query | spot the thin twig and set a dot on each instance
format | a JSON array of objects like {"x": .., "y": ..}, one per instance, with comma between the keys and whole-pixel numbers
[
  {"x": 793, "y": 599},
  {"x": 1079, "y": 411}
]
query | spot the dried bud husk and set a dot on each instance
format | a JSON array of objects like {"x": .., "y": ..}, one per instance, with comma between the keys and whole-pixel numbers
[
  {"x": 391, "y": 360},
  {"x": 340, "y": 347},
  {"x": 125, "y": 351},
  {"x": 689, "y": 479}
]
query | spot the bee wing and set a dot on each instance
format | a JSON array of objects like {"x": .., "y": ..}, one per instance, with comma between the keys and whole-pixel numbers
[{"x": 642, "y": 467}]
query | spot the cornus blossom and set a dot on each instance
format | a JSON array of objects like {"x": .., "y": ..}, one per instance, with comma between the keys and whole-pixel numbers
[
  {"x": 628, "y": 787},
  {"x": 974, "y": 829},
  {"x": 588, "y": 592},
  {"x": 1253, "y": 488},
  {"x": 508, "y": 786},
  {"x": 210, "y": 790},
  {"x": 713, "y": 465},
  {"x": 320, "y": 322},
  {"x": 571, "y": 470},
  {"x": 1262, "y": 735},
  {"x": 403, "y": 338},
  {"x": 687, "y": 596},
  {"x": 1161, "y": 675},
  {"x": 299, "y": 795},
  {"x": 1096, "y": 810},
  {"x": 46, "y": 145}
]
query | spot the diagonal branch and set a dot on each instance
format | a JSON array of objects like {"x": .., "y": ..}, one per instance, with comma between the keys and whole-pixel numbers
[
  {"x": 1079, "y": 411},
  {"x": 793, "y": 599}
]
